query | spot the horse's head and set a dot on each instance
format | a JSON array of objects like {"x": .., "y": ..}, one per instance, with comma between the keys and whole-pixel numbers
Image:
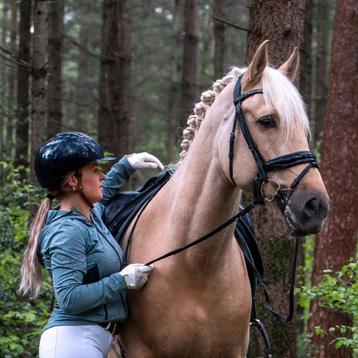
[{"x": 276, "y": 125}]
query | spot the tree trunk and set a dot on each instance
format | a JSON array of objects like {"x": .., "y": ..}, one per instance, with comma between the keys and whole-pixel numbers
[
  {"x": 39, "y": 64},
  {"x": 190, "y": 58},
  {"x": 321, "y": 54},
  {"x": 306, "y": 59},
  {"x": 23, "y": 84},
  {"x": 174, "y": 85},
  {"x": 282, "y": 22},
  {"x": 54, "y": 90},
  {"x": 3, "y": 74},
  {"x": 12, "y": 82},
  {"x": 83, "y": 89},
  {"x": 336, "y": 243},
  {"x": 115, "y": 115},
  {"x": 219, "y": 39}
]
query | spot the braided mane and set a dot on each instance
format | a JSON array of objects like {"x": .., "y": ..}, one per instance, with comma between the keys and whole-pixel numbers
[
  {"x": 206, "y": 100},
  {"x": 278, "y": 91}
]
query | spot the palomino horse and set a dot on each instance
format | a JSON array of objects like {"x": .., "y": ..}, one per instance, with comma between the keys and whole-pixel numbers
[{"x": 198, "y": 303}]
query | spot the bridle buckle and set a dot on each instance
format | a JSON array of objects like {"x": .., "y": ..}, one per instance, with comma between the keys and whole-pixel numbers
[{"x": 276, "y": 186}]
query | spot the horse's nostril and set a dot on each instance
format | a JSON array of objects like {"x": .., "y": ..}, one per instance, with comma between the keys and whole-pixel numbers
[
  {"x": 306, "y": 212},
  {"x": 312, "y": 205},
  {"x": 315, "y": 207}
]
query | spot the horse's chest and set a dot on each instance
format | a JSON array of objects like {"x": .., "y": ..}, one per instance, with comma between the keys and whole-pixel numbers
[
  {"x": 201, "y": 329},
  {"x": 201, "y": 335}
]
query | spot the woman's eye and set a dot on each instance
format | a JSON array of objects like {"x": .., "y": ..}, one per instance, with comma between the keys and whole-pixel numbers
[{"x": 267, "y": 122}]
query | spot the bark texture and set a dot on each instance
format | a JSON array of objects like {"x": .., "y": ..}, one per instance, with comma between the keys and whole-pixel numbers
[
  {"x": 3, "y": 76},
  {"x": 219, "y": 39},
  {"x": 12, "y": 81},
  {"x": 23, "y": 83},
  {"x": 55, "y": 45},
  {"x": 190, "y": 57},
  {"x": 84, "y": 91},
  {"x": 174, "y": 86},
  {"x": 322, "y": 19},
  {"x": 39, "y": 74},
  {"x": 281, "y": 22},
  {"x": 337, "y": 242},
  {"x": 115, "y": 115},
  {"x": 306, "y": 59}
]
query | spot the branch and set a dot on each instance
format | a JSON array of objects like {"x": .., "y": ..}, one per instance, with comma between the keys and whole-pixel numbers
[
  {"x": 88, "y": 52},
  {"x": 15, "y": 58},
  {"x": 232, "y": 25},
  {"x": 6, "y": 64}
]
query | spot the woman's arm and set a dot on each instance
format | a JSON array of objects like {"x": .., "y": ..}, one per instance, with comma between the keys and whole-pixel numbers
[
  {"x": 68, "y": 265},
  {"x": 119, "y": 175},
  {"x": 116, "y": 178},
  {"x": 122, "y": 170}
]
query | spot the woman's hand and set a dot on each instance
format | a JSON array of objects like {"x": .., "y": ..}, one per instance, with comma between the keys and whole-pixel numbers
[
  {"x": 144, "y": 161},
  {"x": 136, "y": 275}
]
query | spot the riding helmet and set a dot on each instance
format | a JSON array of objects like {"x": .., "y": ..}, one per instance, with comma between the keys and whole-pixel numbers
[{"x": 64, "y": 153}]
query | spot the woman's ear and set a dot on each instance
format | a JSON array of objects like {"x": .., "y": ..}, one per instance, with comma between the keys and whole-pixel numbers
[{"x": 71, "y": 183}]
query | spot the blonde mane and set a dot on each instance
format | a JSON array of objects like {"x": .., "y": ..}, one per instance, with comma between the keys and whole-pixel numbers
[
  {"x": 278, "y": 91},
  {"x": 206, "y": 100}
]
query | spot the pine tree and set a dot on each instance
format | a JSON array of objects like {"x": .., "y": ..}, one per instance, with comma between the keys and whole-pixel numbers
[{"x": 337, "y": 241}]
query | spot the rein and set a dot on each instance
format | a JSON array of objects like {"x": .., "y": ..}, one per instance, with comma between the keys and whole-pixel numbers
[{"x": 210, "y": 234}]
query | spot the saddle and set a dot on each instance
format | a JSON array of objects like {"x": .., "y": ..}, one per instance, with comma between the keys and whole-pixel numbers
[{"x": 123, "y": 208}]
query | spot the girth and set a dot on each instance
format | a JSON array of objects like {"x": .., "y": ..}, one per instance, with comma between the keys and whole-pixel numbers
[{"x": 278, "y": 163}]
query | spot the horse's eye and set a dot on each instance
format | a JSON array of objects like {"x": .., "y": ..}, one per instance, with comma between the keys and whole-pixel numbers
[{"x": 267, "y": 122}]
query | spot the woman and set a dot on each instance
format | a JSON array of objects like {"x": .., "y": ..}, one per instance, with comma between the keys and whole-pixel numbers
[{"x": 73, "y": 244}]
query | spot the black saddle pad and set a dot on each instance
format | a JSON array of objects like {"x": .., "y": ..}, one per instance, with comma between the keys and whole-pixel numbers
[{"x": 123, "y": 207}]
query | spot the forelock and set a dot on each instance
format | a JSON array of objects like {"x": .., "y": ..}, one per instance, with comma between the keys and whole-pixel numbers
[{"x": 280, "y": 93}]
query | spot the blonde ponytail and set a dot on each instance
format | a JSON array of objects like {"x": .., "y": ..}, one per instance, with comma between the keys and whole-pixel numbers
[{"x": 31, "y": 268}]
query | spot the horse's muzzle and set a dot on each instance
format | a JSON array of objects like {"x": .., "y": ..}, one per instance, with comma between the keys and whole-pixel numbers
[{"x": 306, "y": 212}]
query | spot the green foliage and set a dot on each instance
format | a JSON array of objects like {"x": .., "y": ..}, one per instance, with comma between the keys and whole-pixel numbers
[
  {"x": 337, "y": 292},
  {"x": 21, "y": 321}
]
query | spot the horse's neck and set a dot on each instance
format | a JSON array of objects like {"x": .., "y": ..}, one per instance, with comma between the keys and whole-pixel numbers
[{"x": 202, "y": 199}]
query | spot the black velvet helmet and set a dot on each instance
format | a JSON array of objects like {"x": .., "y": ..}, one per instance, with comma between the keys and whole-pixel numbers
[{"x": 63, "y": 153}]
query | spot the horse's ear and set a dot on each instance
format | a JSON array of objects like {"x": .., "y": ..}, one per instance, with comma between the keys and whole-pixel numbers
[
  {"x": 254, "y": 72},
  {"x": 290, "y": 67}
]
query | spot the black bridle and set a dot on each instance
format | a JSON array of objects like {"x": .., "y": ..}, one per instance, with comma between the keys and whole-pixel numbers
[{"x": 279, "y": 163}]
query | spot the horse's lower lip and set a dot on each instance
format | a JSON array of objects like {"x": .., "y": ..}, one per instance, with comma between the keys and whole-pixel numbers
[{"x": 293, "y": 227}]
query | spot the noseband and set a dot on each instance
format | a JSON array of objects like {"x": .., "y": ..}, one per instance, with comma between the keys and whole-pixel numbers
[{"x": 279, "y": 163}]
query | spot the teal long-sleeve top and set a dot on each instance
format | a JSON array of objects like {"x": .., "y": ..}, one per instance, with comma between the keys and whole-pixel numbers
[{"x": 84, "y": 261}]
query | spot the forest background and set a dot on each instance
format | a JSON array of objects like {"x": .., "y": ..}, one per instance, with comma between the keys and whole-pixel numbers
[{"x": 129, "y": 74}]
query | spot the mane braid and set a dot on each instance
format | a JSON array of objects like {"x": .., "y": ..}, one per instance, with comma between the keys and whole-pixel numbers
[
  {"x": 277, "y": 90},
  {"x": 206, "y": 100}
]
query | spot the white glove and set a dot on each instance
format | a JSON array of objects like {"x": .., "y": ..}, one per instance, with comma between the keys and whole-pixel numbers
[
  {"x": 144, "y": 161},
  {"x": 136, "y": 275}
]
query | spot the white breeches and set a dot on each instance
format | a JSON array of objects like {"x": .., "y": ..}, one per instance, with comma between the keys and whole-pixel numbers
[{"x": 90, "y": 341}]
